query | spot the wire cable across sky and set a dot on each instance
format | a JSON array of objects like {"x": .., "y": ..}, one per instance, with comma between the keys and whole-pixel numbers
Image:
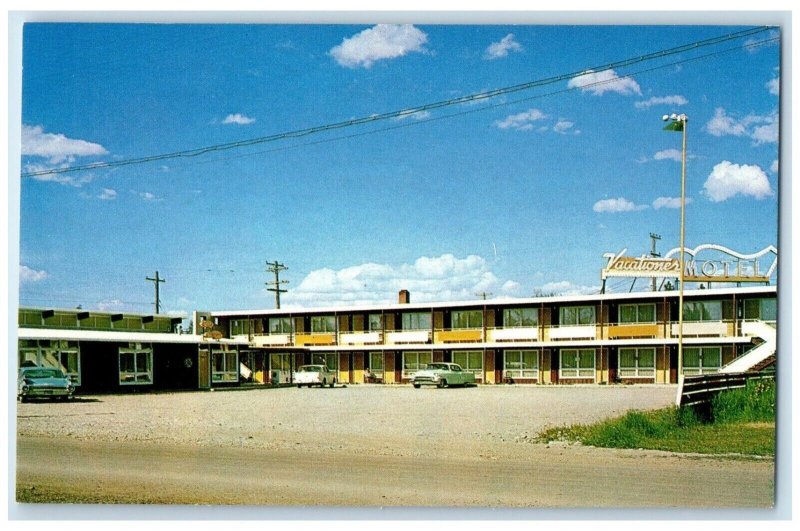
[{"x": 403, "y": 113}]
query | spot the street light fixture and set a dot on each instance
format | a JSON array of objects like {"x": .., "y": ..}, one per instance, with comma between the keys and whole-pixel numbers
[{"x": 678, "y": 123}]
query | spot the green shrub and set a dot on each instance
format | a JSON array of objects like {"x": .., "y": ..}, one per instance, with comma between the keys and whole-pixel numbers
[{"x": 754, "y": 403}]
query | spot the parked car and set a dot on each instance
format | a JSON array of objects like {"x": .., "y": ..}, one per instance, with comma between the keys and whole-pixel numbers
[
  {"x": 442, "y": 375},
  {"x": 43, "y": 382},
  {"x": 314, "y": 375}
]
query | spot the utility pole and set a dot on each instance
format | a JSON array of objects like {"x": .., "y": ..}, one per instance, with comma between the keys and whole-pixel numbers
[
  {"x": 654, "y": 254},
  {"x": 483, "y": 295},
  {"x": 157, "y": 281},
  {"x": 276, "y": 267}
]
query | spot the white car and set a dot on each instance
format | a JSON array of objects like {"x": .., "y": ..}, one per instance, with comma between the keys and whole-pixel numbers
[{"x": 314, "y": 375}]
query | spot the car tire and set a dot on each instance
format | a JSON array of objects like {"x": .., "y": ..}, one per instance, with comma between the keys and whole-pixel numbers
[
  {"x": 324, "y": 382},
  {"x": 442, "y": 384},
  {"x": 333, "y": 382},
  {"x": 416, "y": 386}
]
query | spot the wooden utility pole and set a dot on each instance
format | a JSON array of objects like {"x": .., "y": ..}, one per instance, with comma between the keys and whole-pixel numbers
[
  {"x": 654, "y": 254},
  {"x": 276, "y": 268},
  {"x": 157, "y": 281}
]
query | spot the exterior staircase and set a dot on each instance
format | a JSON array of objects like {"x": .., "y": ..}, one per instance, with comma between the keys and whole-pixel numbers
[{"x": 758, "y": 356}]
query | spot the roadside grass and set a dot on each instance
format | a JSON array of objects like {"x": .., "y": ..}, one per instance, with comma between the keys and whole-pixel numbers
[{"x": 741, "y": 421}]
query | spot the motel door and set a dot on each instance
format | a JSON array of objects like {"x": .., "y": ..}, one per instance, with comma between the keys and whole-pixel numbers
[{"x": 203, "y": 368}]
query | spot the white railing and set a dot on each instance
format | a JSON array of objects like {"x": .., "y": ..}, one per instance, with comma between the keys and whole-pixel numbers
[
  {"x": 360, "y": 338},
  {"x": 272, "y": 340},
  {"x": 514, "y": 334},
  {"x": 574, "y": 332},
  {"x": 408, "y": 336},
  {"x": 701, "y": 328}
]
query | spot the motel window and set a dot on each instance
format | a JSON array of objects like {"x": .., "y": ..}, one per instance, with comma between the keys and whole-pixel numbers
[
  {"x": 414, "y": 361},
  {"x": 702, "y": 311},
  {"x": 376, "y": 364},
  {"x": 701, "y": 360},
  {"x": 280, "y": 362},
  {"x": 470, "y": 361},
  {"x": 577, "y": 363},
  {"x": 239, "y": 327},
  {"x": 322, "y": 324},
  {"x": 637, "y": 363},
  {"x": 280, "y": 325},
  {"x": 637, "y": 313},
  {"x": 375, "y": 322},
  {"x": 135, "y": 365},
  {"x": 577, "y": 315},
  {"x": 416, "y": 321},
  {"x": 467, "y": 319},
  {"x": 520, "y": 317},
  {"x": 763, "y": 309},
  {"x": 224, "y": 366},
  {"x": 58, "y": 354},
  {"x": 329, "y": 359},
  {"x": 521, "y": 364}
]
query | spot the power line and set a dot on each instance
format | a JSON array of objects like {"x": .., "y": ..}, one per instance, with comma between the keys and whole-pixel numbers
[{"x": 408, "y": 111}]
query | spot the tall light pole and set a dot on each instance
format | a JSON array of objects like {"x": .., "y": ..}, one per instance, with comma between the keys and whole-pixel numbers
[{"x": 678, "y": 123}]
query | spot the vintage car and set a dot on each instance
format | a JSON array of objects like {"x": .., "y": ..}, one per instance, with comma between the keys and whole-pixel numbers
[
  {"x": 43, "y": 382},
  {"x": 442, "y": 375},
  {"x": 314, "y": 375}
]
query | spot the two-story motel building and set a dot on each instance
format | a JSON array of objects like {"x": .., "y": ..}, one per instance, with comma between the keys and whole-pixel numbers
[{"x": 588, "y": 339}]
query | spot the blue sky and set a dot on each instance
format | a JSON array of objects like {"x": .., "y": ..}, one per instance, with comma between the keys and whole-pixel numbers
[{"x": 518, "y": 194}]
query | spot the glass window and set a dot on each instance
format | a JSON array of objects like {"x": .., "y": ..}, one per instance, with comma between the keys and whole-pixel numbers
[
  {"x": 520, "y": 317},
  {"x": 375, "y": 321},
  {"x": 702, "y": 311},
  {"x": 414, "y": 361},
  {"x": 577, "y": 363},
  {"x": 323, "y": 324},
  {"x": 637, "y": 313},
  {"x": 239, "y": 327},
  {"x": 280, "y": 362},
  {"x": 225, "y": 366},
  {"x": 763, "y": 309},
  {"x": 701, "y": 360},
  {"x": 135, "y": 365},
  {"x": 470, "y": 360},
  {"x": 280, "y": 325},
  {"x": 577, "y": 315},
  {"x": 521, "y": 364},
  {"x": 329, "y": 359},
  {"x": 467, "y": 319},
  {"x": 376, "y": 363},
  {"x": 416, "y": 321},
  {"x": 637, "y": 363}
]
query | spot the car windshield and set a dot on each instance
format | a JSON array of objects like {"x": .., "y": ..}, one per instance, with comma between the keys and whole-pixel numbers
[
  {"x": 437, "y": 366},
  {"x": 43, "y": 373},
  {"x": 310, "y": 368}
]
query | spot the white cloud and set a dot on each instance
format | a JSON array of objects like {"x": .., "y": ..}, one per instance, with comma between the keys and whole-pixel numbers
[
  {"x": 599, "y": 83},
  {"x": 522, "y": 121},
  {"x": 496, "y": 50},
  {"x": 112, "y": 304},
  {"x": 238, "y": 119},
  {"x": 107, "y": 194},
  {"x": 416, "y": 115},
  {"x": 762, "y": 129},
  {"x": 57, "y": 148},
  {"x": 384, "y": 41},
  {"x": 668, "y": 154},
  {"x": 728, "y": 180},
  {"x": 26, "y": 274},
  {"x": 429, "y": 279},
  {"x": 775, "y": 166},
  {"x": 774, "y": 86},
  {"x": 661, "y": 100},
  {"x": 669, "y": 202},
  {"x": 146, "y": 196},
  {"x": 619, "y": 204},
  {"x": 564, "y": 127},
  {"x": 565, "y": 287}
]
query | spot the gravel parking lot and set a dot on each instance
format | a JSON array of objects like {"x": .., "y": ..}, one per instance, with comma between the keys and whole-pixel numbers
[
  {"x": 363, "y": 445},
  {"x": 345, "y": 417}
]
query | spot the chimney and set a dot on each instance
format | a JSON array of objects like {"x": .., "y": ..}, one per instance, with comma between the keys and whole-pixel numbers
[{"x": 404, "y": 297}]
